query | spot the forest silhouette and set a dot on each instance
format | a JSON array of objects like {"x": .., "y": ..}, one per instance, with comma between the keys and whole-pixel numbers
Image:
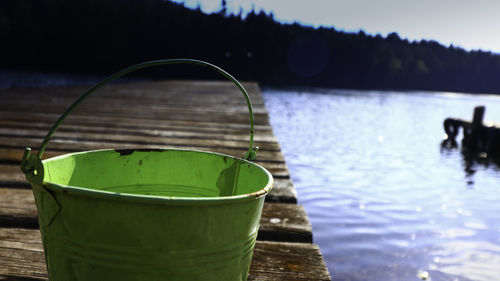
[{"x": 102, "y": 36}]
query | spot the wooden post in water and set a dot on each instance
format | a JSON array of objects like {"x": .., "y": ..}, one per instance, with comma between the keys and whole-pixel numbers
[
  {"x": 474, "y": 135},
  {"x": 477, "y": 119}
]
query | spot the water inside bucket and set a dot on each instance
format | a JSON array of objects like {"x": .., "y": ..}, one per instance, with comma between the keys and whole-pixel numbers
[{"x": 162, "y": 173}]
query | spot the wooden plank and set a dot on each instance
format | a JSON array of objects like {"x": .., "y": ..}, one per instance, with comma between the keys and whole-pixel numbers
[
  {"x": 10, "y": 160},
  {"x": 287, "y": 261},
  {"x": 128, "y": 121},
  {"x": 199, "y": 132},
  {"x": 145, "y": 112},
  {"x": 224, "y": 101},
  {"x": 285, "y": 222},
  {"x": 160, "y": 89},
  {"x": 222, "y": 117},
  {"x": 279, "y": 170},
  {"x": 282, "y": 192},
  {"x": 21, "y": 255},
  {"x": 11, "y": 173},
  {"x": 118, "y": 94},
  {"x": 158, "y": 138},
  {"x": 279, "y": 222},
  {"x": 11, "y": 153},
  {"x": 19, "y": 264},
  {"x": 192, "y": 91},
  {"x": 73, "y": 145},
  {"x": 17, "y": 208}
]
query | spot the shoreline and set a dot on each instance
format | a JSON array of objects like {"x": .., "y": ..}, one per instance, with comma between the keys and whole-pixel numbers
[{"x": 39, "y": 79}]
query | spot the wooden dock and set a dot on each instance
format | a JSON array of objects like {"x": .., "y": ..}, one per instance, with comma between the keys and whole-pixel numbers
[
  {"x": 203, "y": 115},
  {"x": 478, "y": 138}
]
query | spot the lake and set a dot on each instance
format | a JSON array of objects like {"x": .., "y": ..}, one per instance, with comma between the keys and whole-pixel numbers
[{"x": 385, "y": 200}]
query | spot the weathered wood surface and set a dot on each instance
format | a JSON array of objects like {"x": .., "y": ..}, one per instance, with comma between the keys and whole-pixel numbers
[
  {"x": 274, "y": 261},
  {"x": 209, "y": 116},
  {"x": 21, "y": 252}
]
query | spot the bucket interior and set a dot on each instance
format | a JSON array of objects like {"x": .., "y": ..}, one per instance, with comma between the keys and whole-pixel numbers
[{"x": 171, "y": 173}]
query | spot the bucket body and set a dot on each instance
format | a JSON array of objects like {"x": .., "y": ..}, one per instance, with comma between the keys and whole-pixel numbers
[{"x": 149, "y": 215}]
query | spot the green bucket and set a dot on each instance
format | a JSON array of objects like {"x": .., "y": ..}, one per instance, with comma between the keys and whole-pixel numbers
[{"x": 147, "y": 214}]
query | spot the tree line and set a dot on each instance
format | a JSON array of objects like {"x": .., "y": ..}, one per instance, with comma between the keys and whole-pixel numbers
[{"x": 102, "y": 36}]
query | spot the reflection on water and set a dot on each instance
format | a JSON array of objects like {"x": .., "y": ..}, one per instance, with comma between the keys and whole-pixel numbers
[{"x": 386, "y": 201}]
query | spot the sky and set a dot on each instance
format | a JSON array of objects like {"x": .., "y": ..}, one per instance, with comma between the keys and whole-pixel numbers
[{"x": 472, "y": 24}]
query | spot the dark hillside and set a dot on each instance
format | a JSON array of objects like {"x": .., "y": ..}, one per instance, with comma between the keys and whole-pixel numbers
[{"x": 101, "y": 36}]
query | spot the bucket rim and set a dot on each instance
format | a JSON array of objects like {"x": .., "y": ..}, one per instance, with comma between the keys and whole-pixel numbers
[{"x": 170, "y": 200}]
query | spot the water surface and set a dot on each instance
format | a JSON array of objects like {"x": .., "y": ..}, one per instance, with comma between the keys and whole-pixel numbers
[{"x": 386, "y": 202}]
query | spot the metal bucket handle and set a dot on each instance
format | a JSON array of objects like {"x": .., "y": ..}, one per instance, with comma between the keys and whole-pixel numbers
[{"x": 31, "y": 166}]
